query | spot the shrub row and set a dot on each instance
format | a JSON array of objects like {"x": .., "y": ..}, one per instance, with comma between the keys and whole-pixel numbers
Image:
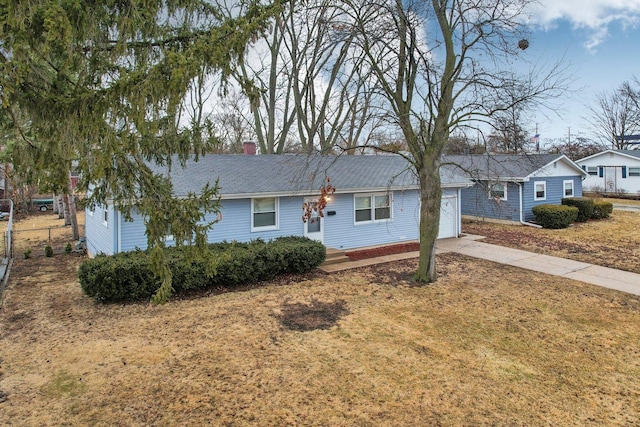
[
  {"x": 584, "y": 205},
  {"x": 128, "y": 276},
  {"x": 555, "y": 216}
]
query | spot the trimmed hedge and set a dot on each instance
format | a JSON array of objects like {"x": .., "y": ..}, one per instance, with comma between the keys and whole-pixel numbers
[
  {"x": 128, "y": 277},
  {"x": 584, "y": 205},
  {"x": 602, "y": 210},
  {"x": 555, "y": 216}
]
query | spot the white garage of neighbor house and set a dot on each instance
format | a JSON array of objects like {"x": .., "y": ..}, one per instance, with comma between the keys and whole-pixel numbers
[
  {"x": 612, "y": 171},
  {"x": 376, "y": 201}
]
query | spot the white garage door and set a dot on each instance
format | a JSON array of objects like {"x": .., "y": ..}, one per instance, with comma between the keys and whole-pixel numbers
[{"x": 448, "y": 218}]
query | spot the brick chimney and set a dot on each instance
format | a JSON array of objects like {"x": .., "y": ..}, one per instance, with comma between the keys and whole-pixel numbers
[{"x": 249, "y": 148}]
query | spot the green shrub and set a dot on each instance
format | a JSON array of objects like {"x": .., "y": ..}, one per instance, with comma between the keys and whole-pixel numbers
[
  {"x": 584, "y": 204},
  {"x": 602, "y": 210},
  {"x": 48, "y": 251},
  {"x": 128, "y": 276},
  {"x": 555, "y": 216},
  {"x": 68, "y": 248},
  {"x": 27, "y": 254}
]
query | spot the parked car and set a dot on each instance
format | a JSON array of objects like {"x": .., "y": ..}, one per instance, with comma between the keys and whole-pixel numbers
[{"x": 43, "y": 205}]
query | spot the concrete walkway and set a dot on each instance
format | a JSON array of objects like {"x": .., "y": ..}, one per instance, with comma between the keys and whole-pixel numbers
[
  {"x": 630, "y": 208},
  {"x": 469, "y": 245}
]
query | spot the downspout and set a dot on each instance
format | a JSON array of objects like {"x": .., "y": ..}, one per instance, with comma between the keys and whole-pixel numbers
[{"x": 522, "y": 221}]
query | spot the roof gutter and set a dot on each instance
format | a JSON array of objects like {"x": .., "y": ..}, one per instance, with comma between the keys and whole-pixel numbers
[{"x": 522, "y": 221}]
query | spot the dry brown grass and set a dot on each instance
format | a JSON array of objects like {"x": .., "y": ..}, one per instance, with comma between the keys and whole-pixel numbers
[
  {"x": 613, "y": 242},
  {"x": 485, "y": 345},
  {"x": 39, "y": 229}
]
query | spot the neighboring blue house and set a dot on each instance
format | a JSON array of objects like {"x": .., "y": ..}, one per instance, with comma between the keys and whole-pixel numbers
[
  {"x": 376, "y": 201},
  {"x": 507, "y": 187}
]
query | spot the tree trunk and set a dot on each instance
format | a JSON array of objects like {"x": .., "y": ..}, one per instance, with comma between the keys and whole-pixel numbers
[
  {"x": 73, "y": 215},
  {"x": 59, "y": 200},
  {"x": 66, "y": 215},
  {"x": 430, "y": 199},
  {"x": 73, "y": 219}
]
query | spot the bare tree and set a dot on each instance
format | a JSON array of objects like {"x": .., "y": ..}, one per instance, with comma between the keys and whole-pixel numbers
[
  {"x": 576, "y": 149},
  {"x": 615, "y": 117},
  {"x": 443, "y": 65},
  {"x": 305, "y": 79}
]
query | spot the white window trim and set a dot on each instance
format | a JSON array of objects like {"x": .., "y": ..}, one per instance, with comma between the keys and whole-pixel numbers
[
  {"x": 573, "y": 188},
  {"x": 504, "y": 184},
  {"x": 535, "y": 193},
  {"x": 373, "y": 208},
  {"x": 592, "y": 170},
  {"x": 105, "y": 217},
  {"x": 268, "y": 227}
]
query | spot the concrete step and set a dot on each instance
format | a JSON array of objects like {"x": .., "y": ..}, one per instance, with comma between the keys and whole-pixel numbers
[{"x": 335, "y": 256}]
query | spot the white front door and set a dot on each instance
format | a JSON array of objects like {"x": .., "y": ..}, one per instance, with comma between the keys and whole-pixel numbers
[{"x": 314, "y": 227}]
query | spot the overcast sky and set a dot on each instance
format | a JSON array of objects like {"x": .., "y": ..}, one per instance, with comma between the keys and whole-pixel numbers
[{"x": 600, "y": 39}]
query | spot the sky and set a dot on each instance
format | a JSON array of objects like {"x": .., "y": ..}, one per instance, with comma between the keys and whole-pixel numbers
[{"x": 599, "y": 40}]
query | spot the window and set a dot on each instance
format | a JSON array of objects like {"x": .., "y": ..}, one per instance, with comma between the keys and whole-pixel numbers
[
  {"x": 540, "y": 190},
  {"x": 634, "y": 171},
  {"x": 568, "y": 188},
  {"x": 105, "y": 218},
  {"x": 372, "y": 207},
  {"x": 592, "y": 170},
  {"x": 498, "y": 191},
  {"x": 264, "y": 214}
]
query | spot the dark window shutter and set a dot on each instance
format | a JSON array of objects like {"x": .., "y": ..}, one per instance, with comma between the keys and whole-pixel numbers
[
  {"x": 624, "y": 171},
  {"x": 600, "y": 171},
  {"x": 584, "y": 167}
]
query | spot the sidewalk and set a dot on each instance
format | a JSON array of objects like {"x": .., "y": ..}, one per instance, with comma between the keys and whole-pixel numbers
[{"x": 468, "y": 245}]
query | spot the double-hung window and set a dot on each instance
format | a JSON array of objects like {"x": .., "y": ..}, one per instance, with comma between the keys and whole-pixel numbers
[
  {"x": 540, "y": 190},
  {"x": 592, "y": 170},
  {"x": 568, "y": 188},
  {"x": 634, "y": 171},
  {"x": 498, "y": 191},
  {"x": 372, "y": 207},
  {"x": 264, "y": 214}
]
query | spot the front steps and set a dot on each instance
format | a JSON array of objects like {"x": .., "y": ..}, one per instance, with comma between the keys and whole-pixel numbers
[{"x": 335, "y": 256}]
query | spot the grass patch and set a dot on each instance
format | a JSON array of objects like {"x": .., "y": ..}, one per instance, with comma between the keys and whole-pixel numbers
[
  {"x": 487, "y": 344},
  {"x": 63, "y": 384},
  {"x": 612, "y": 242}
]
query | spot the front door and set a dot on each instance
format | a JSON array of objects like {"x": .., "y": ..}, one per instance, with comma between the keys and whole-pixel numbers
[
  {"x": 314, "y": 227},
  {"x": 610, "y": 183}
]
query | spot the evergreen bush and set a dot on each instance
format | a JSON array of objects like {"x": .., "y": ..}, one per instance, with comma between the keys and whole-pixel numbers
[
  {"x": 555, "y": 216},
  {"x": 602, "y": 210},
  {"x": 584, "y": 204},
  {"x": 128, "y": 277}
]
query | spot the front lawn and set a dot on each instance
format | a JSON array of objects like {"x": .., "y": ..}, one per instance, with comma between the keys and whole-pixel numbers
[
  {"x": 486, "y": 345},
  {"x": 612, "y": 242}
]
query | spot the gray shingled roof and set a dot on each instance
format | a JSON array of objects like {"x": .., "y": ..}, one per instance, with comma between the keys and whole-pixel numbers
[
  {"x": 503, "y": 166},
  {"x": 243, "y": 175},
  {"x": 633, "y": 153}
]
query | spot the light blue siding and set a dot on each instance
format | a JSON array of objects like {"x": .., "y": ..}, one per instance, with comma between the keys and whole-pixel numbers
[
  {"x": 342, "y": 232},
  {"x": 475, "y": 201},
  {"x": 234, "y": 225},
  {"x": 100, "y": 238},
  {"x": 555, "y": 193},
  {"x": 340, "y": 229}
]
